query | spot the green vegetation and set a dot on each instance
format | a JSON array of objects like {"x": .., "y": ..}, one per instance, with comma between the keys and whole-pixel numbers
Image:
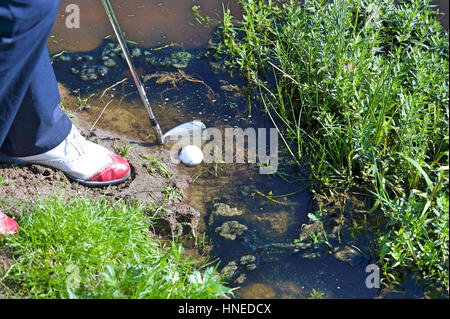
[
  {"x": 202, "y": 20},
  {"x": 359, "y": 89},
  {"x": 172, "y": 194},
  {"x": 87, "y": 249},
  {"x": 123, "y": 149},
  {"x": 82, "y": 103},
  {"x": 154, "y": 166},
  {"x": 315, "y": 294}
]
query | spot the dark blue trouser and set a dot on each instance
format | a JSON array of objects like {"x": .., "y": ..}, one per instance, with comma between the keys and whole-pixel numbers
[{"x": 30, "y": 120}]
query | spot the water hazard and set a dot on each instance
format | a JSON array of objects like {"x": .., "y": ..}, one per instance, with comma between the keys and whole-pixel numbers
[{"x": 252, "y": 220}]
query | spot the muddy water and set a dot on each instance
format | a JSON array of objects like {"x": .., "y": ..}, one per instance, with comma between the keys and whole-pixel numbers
[
  {"x": 148, "y": 22},
  {"x": 198, "y": 91},
  {"x": 442, "y": 5}
]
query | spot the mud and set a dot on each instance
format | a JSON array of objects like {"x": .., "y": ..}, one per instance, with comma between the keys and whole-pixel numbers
[{"x": 25, "y": 185}]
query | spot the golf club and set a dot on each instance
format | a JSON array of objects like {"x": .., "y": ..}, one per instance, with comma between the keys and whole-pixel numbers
[{"x": 181, "y": 129}]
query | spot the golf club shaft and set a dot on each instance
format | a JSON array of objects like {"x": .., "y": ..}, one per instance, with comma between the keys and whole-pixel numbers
[{"x": 115, "y": 24}]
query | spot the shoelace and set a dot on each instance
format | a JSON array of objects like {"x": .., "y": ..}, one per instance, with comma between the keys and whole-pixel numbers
[{"x": 76, "y": 141}]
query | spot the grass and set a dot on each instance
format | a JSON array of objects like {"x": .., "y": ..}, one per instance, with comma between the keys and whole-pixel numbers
[
  {"x": 124, "y": 149},
  {"x": 154, "y": 166},
  {"x": 95, "y": 249},
  {"x": 172, "y": 194},
  {"x": 359, "y": 90}
]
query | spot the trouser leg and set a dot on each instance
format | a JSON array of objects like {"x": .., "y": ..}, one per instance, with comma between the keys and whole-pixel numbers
[{"x": 30, "y": 120}]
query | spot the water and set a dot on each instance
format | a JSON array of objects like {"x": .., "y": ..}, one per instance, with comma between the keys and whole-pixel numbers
[
  {"x": 149, "y": 22},
  {"x": 199, "y": 94},
  {"x": 442, "y": 5}
]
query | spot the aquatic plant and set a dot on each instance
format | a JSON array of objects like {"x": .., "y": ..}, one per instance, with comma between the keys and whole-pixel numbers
[
  {"x": 316, "y": 294},
  {"x": 359, "y": 90},
  {"x": 82, "y": 102},
  {"x": 172, "y": 194}
]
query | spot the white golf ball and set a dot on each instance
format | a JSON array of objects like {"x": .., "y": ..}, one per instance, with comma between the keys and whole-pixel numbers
[{"x": 191, "y": 155}]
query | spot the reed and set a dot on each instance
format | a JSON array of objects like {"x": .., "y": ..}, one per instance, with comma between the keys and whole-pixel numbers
[{"x": 359, "y": 90}]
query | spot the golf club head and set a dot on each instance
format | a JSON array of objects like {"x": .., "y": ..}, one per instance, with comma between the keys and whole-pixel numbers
[{"x": 184, "y": 131}]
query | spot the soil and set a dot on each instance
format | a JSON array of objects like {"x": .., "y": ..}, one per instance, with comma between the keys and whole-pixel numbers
[{"x": 23, "y": 186}]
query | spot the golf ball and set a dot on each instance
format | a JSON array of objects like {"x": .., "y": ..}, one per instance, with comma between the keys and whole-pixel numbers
[{"x": 191, "y": 155}]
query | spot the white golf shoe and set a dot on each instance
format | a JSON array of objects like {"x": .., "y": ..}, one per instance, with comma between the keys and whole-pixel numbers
[{"x": 82, "y": 161}]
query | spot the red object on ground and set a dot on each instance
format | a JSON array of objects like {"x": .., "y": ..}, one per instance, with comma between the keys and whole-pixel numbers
[
  {"x": 116, "y": 170},
  {"x": 7, "y": 225}
]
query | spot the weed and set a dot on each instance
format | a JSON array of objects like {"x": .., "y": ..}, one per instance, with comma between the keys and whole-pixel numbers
[
  {"x": 316, "y": 294},
  {"x": 202, "y": 20},
  {"x": 172, "y": 194},
  {"x": 359, "y": 89},
  {"x": 123, "y": 150},
  {"x": 82, "y": 103},
  {"x": 154, "y": 166}
]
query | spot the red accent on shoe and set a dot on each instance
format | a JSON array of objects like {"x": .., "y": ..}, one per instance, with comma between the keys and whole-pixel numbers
[
  {"x": 115, "y": 170},
  {"x": 7, "y": 225}
]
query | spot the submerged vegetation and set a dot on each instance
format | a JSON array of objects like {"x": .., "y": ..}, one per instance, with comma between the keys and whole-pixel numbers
[
  {"x": 359, "y": 90},
  {"x": 95, "y": 249}
]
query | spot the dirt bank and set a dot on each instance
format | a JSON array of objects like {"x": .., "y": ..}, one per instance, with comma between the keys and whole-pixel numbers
[{"x": 151, "y": 182}]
